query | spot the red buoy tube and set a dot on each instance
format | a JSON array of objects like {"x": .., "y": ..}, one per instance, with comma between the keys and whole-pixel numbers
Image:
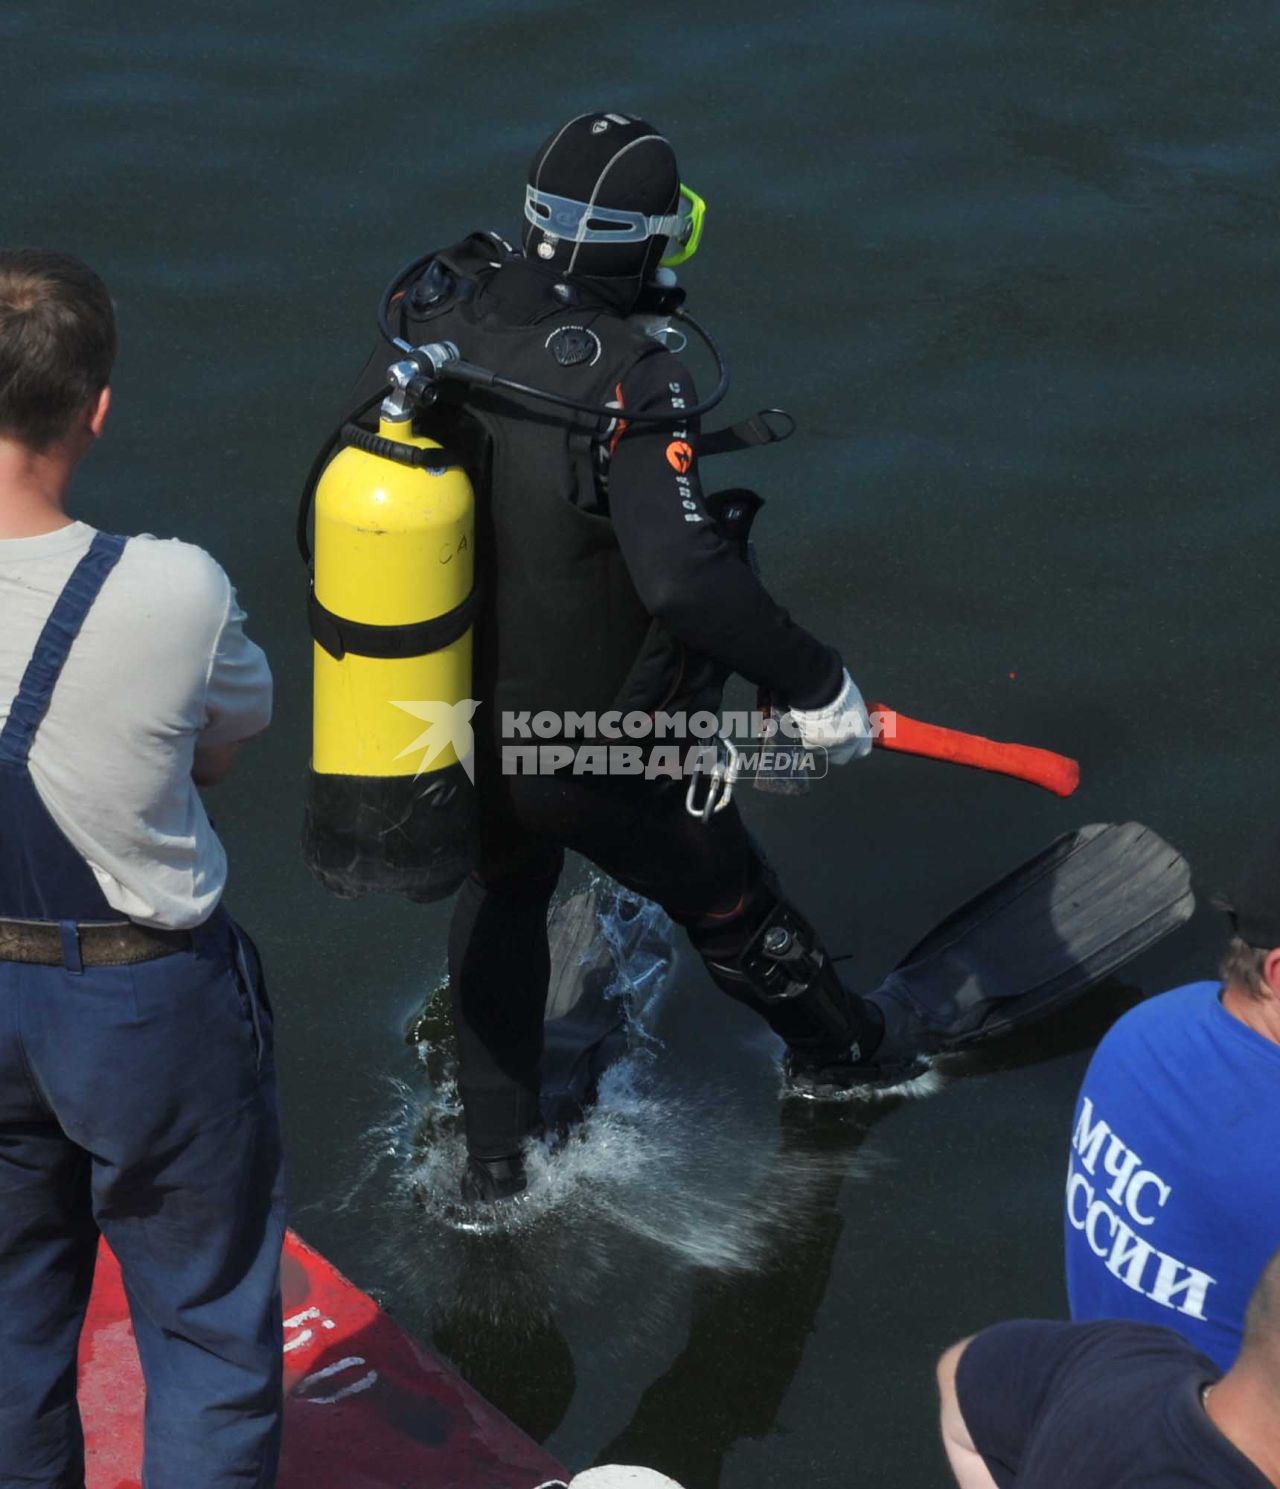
[{"x": 892, "y": 730}]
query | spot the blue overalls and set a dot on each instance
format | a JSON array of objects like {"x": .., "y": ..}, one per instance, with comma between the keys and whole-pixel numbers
[{"x": 137, "y": 1102}]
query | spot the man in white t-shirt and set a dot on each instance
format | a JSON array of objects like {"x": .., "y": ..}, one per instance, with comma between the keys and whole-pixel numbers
[{"x": 137, "y": 1086}]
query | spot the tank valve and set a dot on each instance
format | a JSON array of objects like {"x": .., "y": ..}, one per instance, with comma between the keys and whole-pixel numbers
[{"x": 415, "y": 380}]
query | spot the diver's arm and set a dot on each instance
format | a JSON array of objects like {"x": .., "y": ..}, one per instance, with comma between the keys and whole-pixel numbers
[{"x": 685, "y": 572}]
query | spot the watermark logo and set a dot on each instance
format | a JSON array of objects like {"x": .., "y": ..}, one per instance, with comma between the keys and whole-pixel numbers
[
  {"x": 747, "y": 744},
  {"x": 447, "y": 724},
  {"x": 759, "y": 744}
]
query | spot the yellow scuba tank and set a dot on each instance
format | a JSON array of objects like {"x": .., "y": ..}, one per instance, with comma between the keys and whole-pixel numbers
[{"x": 391, "y": 804}]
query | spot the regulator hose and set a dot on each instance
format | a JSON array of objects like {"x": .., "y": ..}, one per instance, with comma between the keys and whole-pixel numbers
[{"x": 466, "y": 372}]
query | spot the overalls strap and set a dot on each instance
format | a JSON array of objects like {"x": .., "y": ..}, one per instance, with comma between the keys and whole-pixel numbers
[{"x": 51, "y": 651}]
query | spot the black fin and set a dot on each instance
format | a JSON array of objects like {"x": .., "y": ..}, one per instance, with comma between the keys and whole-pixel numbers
[{"x": 1063, "y": 921}]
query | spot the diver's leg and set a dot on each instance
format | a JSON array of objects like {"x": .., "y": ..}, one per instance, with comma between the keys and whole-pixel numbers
[
  {"x": 710, "y": 878},
  {"x": 499, "y": 971},
  {"x": 767, "y": 955}
]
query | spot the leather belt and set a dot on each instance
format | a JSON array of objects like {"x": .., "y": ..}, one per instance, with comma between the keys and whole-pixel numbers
[{"x": 114, "y": 943}]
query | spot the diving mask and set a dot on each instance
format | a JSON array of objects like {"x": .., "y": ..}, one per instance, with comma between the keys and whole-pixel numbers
[{"x": 587, "y": 222}]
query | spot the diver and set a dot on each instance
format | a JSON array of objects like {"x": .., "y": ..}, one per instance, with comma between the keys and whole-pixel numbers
[{"x": 608, "y": 580}]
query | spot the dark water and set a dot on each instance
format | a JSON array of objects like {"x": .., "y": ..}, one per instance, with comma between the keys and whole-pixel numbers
[{"x": 1014, "y": 267}]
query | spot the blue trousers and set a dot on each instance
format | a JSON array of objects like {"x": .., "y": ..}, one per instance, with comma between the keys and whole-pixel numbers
[{"x": 139, "y": 1103}]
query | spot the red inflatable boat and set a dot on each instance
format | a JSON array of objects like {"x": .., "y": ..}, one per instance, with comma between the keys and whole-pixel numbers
[{"x": 366, "y": 1406}]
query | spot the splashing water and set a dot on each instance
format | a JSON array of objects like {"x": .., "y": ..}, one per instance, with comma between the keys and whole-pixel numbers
[
  {"x": 667, "y": 1175},
  {"x": 930, "y": 1079}
]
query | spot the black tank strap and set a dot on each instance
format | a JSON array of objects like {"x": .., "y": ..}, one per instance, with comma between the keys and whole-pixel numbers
[
  {"x": 769, "y": 427},
  {"x": 339, "y": 636}
]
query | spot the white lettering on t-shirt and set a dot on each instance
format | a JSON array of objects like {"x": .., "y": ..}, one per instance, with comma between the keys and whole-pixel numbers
[
  {"x": 1088, "y": 1140},
  {"x": 1095, "y": 1140},
  {"x": 1169, "y": 1283},
  {"x": 1140, "y": 1182},
  {"x": 1129, "y": 1258},
  {"x": 1134, "y": 1193}
]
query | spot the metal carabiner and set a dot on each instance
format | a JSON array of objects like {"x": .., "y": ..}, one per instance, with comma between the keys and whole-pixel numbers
[{"x": 720, "y": 781}]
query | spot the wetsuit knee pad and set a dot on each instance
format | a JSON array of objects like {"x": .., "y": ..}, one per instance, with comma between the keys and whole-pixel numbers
[
  {"x": 723, "y": 938},
  {"x": 773, "y": 960},
  {"x": 784, "y": 958}
]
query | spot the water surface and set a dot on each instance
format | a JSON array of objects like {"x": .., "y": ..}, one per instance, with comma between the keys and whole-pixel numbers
[{"x": 1013, "y": 267}]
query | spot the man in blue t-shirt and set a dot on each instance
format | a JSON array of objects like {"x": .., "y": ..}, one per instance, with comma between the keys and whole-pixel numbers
[
  {"x": 1039, "y": 1405},
  {"x": 1173, "y": 1190}
]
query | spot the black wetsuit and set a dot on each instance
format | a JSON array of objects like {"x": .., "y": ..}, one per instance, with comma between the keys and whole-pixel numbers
[
  {"x": 708, "y": 877},
  {"x": 685, "y": 572}
]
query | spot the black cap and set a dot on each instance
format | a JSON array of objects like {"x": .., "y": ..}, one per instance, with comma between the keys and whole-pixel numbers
[
  {"x": 610, "y": 160},
  {"x": 1253, "y": 902}
]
